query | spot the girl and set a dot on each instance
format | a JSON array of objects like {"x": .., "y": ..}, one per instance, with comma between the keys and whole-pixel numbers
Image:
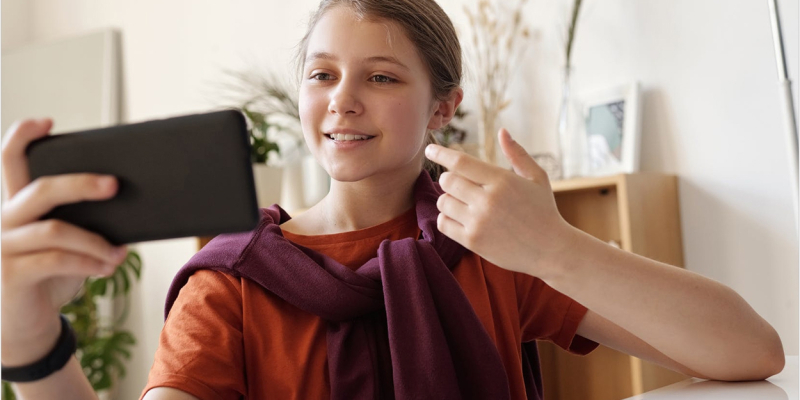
[{"x": 392, "y": 286}]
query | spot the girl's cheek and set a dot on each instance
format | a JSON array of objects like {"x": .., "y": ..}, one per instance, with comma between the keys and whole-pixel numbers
[
  {"x": 306, "y": 107},
  {"x": 306, "y": 118},
  {"x": 311, "y": 103}
]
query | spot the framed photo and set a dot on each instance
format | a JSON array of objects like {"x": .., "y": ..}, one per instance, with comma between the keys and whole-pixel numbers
[{"x": 611, "y": 130}]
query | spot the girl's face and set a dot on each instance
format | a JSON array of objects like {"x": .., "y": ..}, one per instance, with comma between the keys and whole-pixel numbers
[{"x": 364, "y": 78}]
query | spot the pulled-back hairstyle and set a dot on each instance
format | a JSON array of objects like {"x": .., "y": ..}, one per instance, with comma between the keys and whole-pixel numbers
[{"x": 428, "y": 28}]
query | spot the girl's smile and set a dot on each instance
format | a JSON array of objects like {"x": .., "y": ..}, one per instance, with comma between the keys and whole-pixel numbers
[
  {"x": 344, "y": 136},
  {"x": 348, "y": 141}
]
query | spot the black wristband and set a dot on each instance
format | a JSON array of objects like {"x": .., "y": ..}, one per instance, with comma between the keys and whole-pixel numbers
[{"x": 52, "y": 362}]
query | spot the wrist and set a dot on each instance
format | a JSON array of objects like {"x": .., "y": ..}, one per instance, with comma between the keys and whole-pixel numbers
[
  {"x": 19, "y": 348},
  {"x": 562, "y": 258},
  {"x": 52, "y": 362}
]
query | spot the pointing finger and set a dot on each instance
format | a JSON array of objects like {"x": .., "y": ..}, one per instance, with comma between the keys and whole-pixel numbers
[{"x": 461, "y": 163}]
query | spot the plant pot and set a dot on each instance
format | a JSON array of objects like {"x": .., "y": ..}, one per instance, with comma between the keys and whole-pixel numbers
[
  {"x": 269, "y": 184},
  {"x": 292, "y": 194}
]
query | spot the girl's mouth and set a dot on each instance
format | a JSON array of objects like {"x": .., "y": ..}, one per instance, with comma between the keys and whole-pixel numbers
[{"x": 342, "y": 138}]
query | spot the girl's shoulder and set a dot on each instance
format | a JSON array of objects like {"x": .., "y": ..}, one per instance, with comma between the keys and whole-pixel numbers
[{"x": 205, "y": 282}]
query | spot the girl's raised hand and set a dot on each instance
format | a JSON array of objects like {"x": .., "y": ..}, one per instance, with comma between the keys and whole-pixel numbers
[
  {"x": 44, "y": 262},
  {"x": 508, "y": 218}
]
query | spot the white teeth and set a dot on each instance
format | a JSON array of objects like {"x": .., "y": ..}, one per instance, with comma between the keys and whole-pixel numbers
[{"x": 343, "y": 137}]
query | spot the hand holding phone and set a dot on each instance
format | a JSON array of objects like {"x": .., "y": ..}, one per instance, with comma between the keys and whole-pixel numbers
[
  {"x": 74, "y": 196},
  {"x": 177, "y": 177},
  {"x": 45, "y": 262}
]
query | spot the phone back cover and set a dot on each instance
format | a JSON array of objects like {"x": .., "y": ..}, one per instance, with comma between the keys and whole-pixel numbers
[{"x": 178, "y": 177}]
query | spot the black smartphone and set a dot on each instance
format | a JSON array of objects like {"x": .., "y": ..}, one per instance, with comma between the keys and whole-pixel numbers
[{"x": 184, "y": 176}]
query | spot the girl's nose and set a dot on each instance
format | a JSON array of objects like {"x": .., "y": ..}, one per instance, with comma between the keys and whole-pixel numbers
[{"x": 343, "y": 101}]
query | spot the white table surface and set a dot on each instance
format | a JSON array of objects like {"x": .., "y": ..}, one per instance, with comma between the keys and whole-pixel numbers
[{"x": 783, "y": 386}]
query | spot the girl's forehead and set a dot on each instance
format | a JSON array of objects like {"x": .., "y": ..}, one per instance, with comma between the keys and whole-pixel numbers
[{"x": 341, "y": 34}]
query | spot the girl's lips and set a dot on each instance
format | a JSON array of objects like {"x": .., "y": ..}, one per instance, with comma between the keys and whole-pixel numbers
[
  {"x": 344, "y": 131},
  {"x": 347, "y": 144}
]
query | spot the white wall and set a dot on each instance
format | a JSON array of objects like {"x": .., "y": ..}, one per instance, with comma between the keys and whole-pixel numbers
[
  {"x": 15, "y": 23},
  {"x": 711, "y": 113}
]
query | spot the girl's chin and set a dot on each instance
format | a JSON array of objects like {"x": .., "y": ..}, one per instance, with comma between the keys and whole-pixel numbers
[
  {"x": 381, "y": 175},
  {"x": 346, "y": 169},
  {"x": 356, "y": 174},
  {"x": 348, "y": 175}
]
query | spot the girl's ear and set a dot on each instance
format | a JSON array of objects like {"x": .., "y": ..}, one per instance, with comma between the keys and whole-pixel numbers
[{"x": 445, "y": 109}]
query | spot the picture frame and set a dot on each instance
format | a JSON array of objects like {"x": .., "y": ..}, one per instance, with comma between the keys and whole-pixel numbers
[{"x": 611, "y": 130}]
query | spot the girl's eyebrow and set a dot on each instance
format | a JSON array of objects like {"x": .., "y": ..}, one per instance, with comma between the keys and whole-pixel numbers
[{"x": 321, "y": 55}]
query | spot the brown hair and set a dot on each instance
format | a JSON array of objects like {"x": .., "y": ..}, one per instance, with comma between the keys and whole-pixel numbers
[{"x": 427, "y": 26}]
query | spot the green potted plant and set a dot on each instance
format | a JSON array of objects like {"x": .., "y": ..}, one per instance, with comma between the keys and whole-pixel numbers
[
  {"x": 102, "y": 346},
  {"x": 271, "y": 109}
]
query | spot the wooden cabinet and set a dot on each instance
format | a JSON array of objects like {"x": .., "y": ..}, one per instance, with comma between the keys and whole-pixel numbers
[{"x": 639, "y": 213}]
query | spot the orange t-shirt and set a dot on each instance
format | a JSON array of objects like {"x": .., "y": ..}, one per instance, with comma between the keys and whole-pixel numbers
[{"x": 228, "y": 338}]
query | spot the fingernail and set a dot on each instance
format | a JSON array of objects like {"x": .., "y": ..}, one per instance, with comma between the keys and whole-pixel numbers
[
  {"x": 106, "y": 182},
  {"x": 117, "y": 253},
  {"x": 121, "y": 252},
  {"x": 429, "y": 150}
]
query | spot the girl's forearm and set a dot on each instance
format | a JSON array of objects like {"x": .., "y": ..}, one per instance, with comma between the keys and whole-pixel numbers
[{"x": 692, "y": 319}]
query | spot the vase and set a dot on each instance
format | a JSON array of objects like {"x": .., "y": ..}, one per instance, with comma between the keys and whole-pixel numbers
[
  {"x": 269, "y": 184},
  {"x": 569, "y": 131}
]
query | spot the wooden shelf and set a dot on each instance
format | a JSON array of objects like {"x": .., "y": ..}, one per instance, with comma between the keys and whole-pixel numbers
[
  {"x": 585, "y": 183},
  {"x": 639, "y": 212}
]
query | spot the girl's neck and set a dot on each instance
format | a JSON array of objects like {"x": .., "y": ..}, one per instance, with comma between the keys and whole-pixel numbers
[{"x": 351, "y": 206}]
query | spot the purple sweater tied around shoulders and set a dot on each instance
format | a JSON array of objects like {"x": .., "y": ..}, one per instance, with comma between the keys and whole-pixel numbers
[{"x": 399, "y": 327}]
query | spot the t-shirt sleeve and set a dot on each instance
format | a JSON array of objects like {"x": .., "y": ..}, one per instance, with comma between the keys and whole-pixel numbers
[
  {"x": 547, "y": 314},
  {"x": 201, "y": 349}
]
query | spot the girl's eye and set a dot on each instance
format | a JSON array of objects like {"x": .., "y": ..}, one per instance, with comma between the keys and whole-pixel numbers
[
  {"x": 321, "y": 76},
  {"x": 382, "y": 79}
]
